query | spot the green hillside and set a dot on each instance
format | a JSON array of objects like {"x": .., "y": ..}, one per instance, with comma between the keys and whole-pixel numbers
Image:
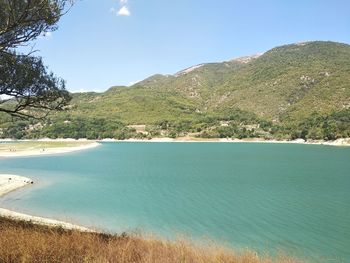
[
  {"x": 298, "y": 90},
  {"x": 293, "y": 81}
]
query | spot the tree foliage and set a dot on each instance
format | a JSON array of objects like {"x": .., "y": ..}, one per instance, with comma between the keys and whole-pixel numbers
[
  {"x": 22, "y": 21},
  {"x": 27, "y": 89}
]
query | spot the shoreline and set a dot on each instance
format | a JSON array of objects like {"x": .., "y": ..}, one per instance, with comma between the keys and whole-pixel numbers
[
  {"x": 89, "y": 144},
  {"x": 95, "y": 143},
  {"x": 9, "y": 183},
  {"x": 338, "y": 142},
  {"x": 46, "y": 151}
]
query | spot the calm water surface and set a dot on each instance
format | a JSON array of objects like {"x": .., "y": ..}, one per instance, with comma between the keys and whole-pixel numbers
[{"x": 268, "y": 197}]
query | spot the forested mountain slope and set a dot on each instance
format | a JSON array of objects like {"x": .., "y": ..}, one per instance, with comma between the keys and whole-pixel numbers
[{"x": 298, "y": 90}]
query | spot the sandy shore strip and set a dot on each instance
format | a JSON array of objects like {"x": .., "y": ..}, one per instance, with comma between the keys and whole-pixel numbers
[
  {"x": 338, "y": 142},
  {"x": 9, "y": 183},
  {"x": 35, "y": 151},
  {"x": 83, "y": 144}
]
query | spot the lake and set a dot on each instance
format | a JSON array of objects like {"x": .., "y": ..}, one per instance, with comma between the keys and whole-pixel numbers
[{"x": 267, "y": 197}]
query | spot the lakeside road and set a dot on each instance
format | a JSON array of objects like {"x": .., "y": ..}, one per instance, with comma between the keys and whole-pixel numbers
[{"x": 9, "y": 183}]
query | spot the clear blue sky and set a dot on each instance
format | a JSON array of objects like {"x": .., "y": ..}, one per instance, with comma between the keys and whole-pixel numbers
[{"x": 95, "y": 47}]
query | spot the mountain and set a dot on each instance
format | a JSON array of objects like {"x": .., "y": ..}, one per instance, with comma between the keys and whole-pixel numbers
[{"x": 285, "y": 89}]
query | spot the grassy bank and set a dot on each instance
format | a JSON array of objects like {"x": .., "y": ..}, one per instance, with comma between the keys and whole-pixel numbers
[{"x": 26, "y": 242}]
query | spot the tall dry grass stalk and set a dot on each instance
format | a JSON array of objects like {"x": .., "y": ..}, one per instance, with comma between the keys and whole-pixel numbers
[{"x": 25, "y": 242}]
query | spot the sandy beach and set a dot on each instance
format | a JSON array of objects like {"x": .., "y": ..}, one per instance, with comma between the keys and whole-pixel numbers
[
  {"x": 338, "y": 142},
  {"x": 9, "y": 183},
  {"x": 12, "y": 151}
]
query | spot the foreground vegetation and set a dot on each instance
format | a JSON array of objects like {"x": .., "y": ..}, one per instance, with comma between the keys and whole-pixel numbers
[{"x": 26, "y": 242}]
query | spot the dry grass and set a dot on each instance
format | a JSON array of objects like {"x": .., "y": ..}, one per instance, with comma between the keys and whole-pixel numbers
[{"x": 25, "y": 242}]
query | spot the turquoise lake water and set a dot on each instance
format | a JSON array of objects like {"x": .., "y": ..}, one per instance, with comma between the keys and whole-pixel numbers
[{"x": 267, "y": 197}]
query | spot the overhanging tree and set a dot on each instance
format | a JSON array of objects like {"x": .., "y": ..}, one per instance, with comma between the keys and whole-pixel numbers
[{"x": 27, "y": 89}]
